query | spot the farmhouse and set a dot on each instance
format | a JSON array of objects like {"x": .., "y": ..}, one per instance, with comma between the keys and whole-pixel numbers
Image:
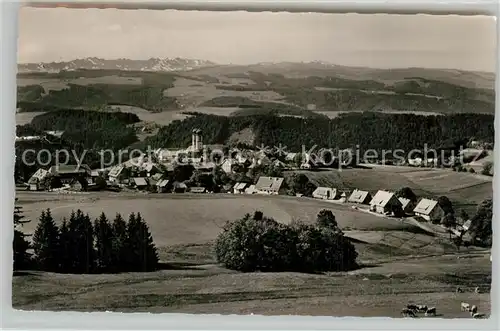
[
  {"x": 269, "y": 185},
  {"x": 250, "y": 190},
  {"x": 139, "y": 183},
  {"x": 117, "y": 174},
  {"x": 429, "y": 210},
  {"x": 35, "y": 182},
  {"x": 362, "y": 197},
  {"x": 179, "y": 187},
  {"x": 239, "y": 188},
  {"x": 325, "y": 193},
  {"x": 150, "y": 169},
  {"x": 161, "y": 185},
  {"x": 227, "y": 166},
  {"x": 416, "y": 162},
  {"x": 198, "y": 190},
  {"x": 406, "y": 204},
  {"x": 78, "y": 184},
  {"x": 66, "y": 173},
  {"x": 386, "y": 203},
  {"x": 278, "y": 164}
]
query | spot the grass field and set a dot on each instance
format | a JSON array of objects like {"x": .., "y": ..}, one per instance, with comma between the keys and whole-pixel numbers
[
  {"x": 192, "y": 93},
  {"x": 401, "y": 264}
]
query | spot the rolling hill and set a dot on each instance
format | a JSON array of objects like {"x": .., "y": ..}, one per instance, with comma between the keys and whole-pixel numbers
[{"x": 170, "y": 84}]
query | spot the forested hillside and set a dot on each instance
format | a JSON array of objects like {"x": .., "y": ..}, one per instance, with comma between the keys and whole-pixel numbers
[{"x": 368, "y": 130}]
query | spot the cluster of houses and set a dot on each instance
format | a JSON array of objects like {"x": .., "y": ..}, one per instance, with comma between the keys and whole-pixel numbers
[{"x": 384, "y": 202}]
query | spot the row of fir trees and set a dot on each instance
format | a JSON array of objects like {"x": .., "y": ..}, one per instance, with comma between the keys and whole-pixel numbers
[{"x": 78, "y": 246}]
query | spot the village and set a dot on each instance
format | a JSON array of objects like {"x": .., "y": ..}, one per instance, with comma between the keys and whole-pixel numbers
[{"x": 156, "y": 175}]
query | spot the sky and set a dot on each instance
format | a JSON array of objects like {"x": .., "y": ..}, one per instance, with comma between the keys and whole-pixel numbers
[{"x": 371, "y": 40}]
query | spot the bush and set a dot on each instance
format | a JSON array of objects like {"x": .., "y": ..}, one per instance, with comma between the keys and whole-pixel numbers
[
  {"x": 487, "y": 166},
  {"x": 261, "y": 244}
]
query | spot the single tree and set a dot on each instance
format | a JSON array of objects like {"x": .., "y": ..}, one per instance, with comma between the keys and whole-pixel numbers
[
  {"x": 326, "y": 219},
  {"x": 65, "y": 242},
  {"x": 46, "y": 242},
  {"x": 82, "y": 233},
  {"x": 119, "y": 244},
  {"x": 448, "y": 220},
  {"x": 487, "y": 166},
  {"x": 22, "y": 258},
  {"x": 445, "y": 204},
  {"x": 407, "y": 193},
  {"x": 142, "y": 251},
  {"x": 103, "y": 243}
]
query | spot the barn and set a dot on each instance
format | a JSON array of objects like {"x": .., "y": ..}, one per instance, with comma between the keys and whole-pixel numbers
[
  {"x": 269, "y": 185},
  {"x": 358, "y": 196},
  {"x": 239, "y": 188},
  {"x": 34, "y": 183},
  {"x": 325, "y": 193},
  {"x": 429, "y": 210},
  {"x": 198, "y": 190},
  {"x": 386, "y": 203}
]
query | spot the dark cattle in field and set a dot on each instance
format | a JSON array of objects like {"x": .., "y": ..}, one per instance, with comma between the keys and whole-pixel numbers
[
  {"x": 408, "y": 313},
  {"x": 422, "y": 308},
  {"x": 431, "y": 311},
  {"x": 412, "y": 307}
]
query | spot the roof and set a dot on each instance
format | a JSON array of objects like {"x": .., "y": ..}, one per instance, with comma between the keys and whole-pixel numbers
[
  {"x": 240, "y": 186},
  {"x": 95, "y": 173},
  {"x": 149, "y": 166},
  {"x": 57, "y": 134},
  {"x": 405, "y": 202},
  {"x": 38, "y": 175},
  {"x": 269, "y": 183},
  {"x": 425, "y": 206},
  {"x": 116, "y": 170},
  {"x": 162, "y": 183},
  {"x": 358, "y": 196},
  {"x": 179, "y": 185},
  {"x": 140, "y": 181},
  {"x": 250, "y": 189},
  {"x": 323, "y": 190},
  {"x": 198, "y": 189},
  {"x": 69, "y": 169},
  {"x": 382, "y": 198},
  {"x": 157, "y": 176}
]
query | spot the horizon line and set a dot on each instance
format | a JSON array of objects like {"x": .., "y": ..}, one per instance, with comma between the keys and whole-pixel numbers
[{"x": 214, "y": 63}]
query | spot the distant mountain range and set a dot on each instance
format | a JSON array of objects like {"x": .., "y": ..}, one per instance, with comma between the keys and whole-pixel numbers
[{"x": 153, "y": 64}]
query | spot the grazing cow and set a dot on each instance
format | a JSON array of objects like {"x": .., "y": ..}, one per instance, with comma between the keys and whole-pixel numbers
[
  {"x": 477, "y": 315},
  {"x": 431, "y": 311},
  {"x": 408, "y": 313},
  {"x": 465, "y": 306},
  {"x": 473, "y": 310},
  {"x": 477, "y": 290},
  {"x": 459, "y": 290},
  {"x": 412, "y": 306},
  {"x": 422, "y": 308}
]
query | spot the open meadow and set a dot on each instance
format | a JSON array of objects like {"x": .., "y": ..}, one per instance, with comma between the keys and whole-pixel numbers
[{"x": 401, "y": 263}]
